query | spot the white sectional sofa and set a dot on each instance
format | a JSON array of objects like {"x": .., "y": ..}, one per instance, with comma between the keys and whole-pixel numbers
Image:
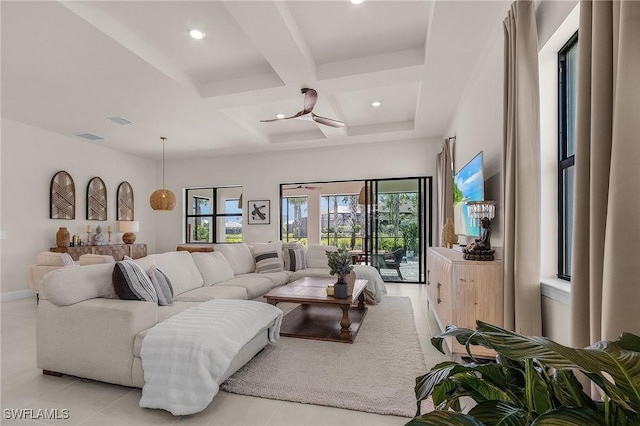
[{"x": 85, "y": 330}]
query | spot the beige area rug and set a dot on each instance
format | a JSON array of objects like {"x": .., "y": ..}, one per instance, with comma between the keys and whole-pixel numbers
[{"x": 376, "y": 374}]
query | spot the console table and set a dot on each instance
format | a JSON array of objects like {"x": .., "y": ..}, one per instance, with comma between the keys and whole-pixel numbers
[
  {"x": 118, "y": 251},
  {"x": 462, "y": 291}
]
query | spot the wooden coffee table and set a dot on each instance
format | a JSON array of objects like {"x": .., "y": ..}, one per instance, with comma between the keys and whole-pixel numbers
[{"x": 317, "y": 317}]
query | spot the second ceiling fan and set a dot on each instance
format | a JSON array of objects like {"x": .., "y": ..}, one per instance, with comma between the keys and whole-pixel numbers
[{"x": 310, "y": 98}]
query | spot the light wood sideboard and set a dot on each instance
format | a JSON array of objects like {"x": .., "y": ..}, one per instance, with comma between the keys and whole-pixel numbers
[
  {"x": 463, "y": 291},
  {"x": 118, "y": 251}
]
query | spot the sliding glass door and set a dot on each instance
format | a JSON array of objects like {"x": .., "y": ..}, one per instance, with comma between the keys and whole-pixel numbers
[
  {"x": 385, "y": 223},
  {"x": 398, "y": 221}
]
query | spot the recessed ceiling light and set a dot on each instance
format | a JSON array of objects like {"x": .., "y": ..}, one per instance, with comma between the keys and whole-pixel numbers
[
  {"x": 279, "y": 115},
  {"x": 197, "y": 34},
  {"x": 376, "y": 103},
  {"x": 356, "y": 1}
]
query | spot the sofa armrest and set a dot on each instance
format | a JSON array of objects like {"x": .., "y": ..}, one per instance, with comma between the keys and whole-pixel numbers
[
  {"x": 36, "y": 273},
  {"x": 92, "y": 339}
]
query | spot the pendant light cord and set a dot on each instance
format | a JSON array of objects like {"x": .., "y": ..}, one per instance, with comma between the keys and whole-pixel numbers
[{"x": 163, "y": 148}]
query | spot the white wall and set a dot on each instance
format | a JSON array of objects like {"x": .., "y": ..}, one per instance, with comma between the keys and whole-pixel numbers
[
  {"x": 261, "y": 174},
  {"x": 477, "y": 125},
  {"x": 30, "y": 157}
]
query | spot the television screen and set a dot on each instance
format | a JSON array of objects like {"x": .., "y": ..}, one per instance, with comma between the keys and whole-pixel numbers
[{"x": 468, "y": 185}]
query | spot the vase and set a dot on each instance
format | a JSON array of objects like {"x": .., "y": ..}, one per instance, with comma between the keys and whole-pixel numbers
[
  {"x": 340, "y": 288},
  {"x": 62, "y": 237}
]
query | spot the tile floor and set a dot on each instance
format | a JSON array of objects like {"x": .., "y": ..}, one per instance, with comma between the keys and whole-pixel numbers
[{"x": 96, "y": 403}]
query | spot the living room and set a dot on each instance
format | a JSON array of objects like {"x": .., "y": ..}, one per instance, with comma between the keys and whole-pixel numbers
[{"x": 37, "y": 141}]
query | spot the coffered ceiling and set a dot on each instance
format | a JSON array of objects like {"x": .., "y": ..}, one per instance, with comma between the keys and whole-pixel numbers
[{"x": 68, "y": 66}]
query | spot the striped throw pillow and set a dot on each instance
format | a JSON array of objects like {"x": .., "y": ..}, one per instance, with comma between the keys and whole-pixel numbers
[
  {"x": 293, "y": 259},
  {"x": 268, "y": 262},
  {"x": 162, "y": 285},
  {"x": 131, "y": 282}
]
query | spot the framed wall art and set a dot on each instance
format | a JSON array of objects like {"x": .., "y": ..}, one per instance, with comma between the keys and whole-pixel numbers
[
  {"x": 62, "y": 204},
  {"x": 259, "y": 212},
  {"x": 96, "y": 199},
  {"x": 125, "y": 202}
]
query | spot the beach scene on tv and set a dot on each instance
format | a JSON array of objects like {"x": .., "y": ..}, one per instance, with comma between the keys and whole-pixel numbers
[{"x": 468, "y": 185}]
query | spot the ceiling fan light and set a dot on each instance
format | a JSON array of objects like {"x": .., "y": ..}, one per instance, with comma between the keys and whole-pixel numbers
[
  {"x": 279, "y": 115},
  {"x": 376, "y": 104},
  {"x": 197, "y": 34},
  {"x": 356, "y": 1}
]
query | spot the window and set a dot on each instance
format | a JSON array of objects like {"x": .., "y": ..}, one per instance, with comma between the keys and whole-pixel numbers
[
  {"x": 567, "y": 101},
  {"x": 341, "y": 221},
  {"x": 213, "y": 215},
  {"x": 295, "y": 211}
]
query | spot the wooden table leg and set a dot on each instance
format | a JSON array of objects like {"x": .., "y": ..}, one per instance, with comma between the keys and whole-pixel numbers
[{"x": 345, "y": 323}]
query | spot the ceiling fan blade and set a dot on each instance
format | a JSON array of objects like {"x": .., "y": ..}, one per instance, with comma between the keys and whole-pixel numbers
[
  {"x": 298, "y": 114},
  {"x": 327, "y": 121},
  {"x": 310, "y": 98}
]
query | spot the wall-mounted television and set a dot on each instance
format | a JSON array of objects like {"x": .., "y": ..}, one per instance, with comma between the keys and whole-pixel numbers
[{"x": 468, "y": 185}]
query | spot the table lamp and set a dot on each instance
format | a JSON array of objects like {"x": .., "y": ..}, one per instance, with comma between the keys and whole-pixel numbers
[{"x": 129, "y": 227}]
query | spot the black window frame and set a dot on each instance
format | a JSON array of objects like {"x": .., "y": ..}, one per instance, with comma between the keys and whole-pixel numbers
[
  {"x": 565, "y": 161},
  {"x": 214, "y": 215}
]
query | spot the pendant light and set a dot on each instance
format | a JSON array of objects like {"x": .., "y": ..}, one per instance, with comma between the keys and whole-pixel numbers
[{"x": 163, "y": 199}]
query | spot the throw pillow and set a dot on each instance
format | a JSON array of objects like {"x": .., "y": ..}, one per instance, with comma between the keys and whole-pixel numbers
[
  {"x": 162, "y": 285},
  {"x": 293, "y": 259},
  {"x": 131, "y": 282},
  {"x": 268, "y": 262}
]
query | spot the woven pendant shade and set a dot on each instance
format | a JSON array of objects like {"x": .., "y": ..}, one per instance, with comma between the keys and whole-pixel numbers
[{"x": 163, "y": 199}]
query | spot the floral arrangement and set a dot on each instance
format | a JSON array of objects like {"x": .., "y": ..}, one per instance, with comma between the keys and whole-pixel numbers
[{"x": 339, "y": 262}]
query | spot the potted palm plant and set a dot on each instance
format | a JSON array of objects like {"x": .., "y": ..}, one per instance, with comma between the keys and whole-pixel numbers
[
  {"x": 340, "y": 264},
  {"x": 532, "y": 382}
]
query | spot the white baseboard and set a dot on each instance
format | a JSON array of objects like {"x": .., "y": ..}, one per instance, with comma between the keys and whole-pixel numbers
[{"x": 15, "y": 295}]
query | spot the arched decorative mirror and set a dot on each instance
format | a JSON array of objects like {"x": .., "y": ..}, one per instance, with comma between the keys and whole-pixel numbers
[
  {"x": 62, "y": 204},
  {"x": 125, "y": 201},
  {"x": 96, "y": 199}
]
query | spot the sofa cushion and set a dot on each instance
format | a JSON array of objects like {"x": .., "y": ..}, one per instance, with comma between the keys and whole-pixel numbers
[
  {"x": 294, "y": 259},
  {"x": 203, "y": 294},
  {"x": 168, "y": 311},
  {"x": 268, "y": 257},
  {"x": 49, "y": 258},
  {"x": 131, "y": 282},
  {"x": 181, "y": 270},
  {"x": 277, "y": 278},
  {"x": 66, "y": 286},
  {"x": 255, "y": 286},
  {"x": 317, "y": 256},
  {"x": 214, "y": 267},
  {"x": 162, "y": 285},
  {"x": 239, "y": 257},
  {"x": 145, "y": 262},
  {"x": 95, "y": 259}
]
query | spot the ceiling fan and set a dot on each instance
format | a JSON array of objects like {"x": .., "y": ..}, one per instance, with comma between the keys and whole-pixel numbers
[
  {"x": 309, "y": 187},
  {"x": 310, "y": 98}
]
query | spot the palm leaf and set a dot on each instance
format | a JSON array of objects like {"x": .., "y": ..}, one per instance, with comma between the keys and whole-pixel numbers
[
  {"x": 568, "y": 390},
  {"x": 444, "y": 418},
  {"x": 441, "y": 372},
  {"x": 500, "y": 414},
  {"x": 566, "y": 416}
]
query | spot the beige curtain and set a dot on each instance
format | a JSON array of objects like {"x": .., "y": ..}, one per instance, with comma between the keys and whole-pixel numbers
[
  {"x": 521, "y": 159},
  {"x": 444, "y": 171},
  {"x": 605, "y": 273}
]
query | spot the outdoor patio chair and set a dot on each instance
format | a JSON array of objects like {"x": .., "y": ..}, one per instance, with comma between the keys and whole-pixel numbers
[{"x": 391, "y": 261}]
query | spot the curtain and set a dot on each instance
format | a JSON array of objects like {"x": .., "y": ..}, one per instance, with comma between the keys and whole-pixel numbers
[
  {"x": 605, "y": 272},
  {"x": 444, "y": 172},
  {"x": 521, "y": 162}
]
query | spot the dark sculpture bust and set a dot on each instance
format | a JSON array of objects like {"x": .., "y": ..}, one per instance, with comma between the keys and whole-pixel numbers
[{"x": 480, "y": 249}]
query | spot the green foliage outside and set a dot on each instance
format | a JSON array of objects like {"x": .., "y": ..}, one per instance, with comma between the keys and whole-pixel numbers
[
  {"x": 202, "y": 233},
  {"x": 233, "y": 238}
]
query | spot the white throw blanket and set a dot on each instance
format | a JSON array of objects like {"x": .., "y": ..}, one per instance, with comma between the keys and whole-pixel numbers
[
  {"x": 185, "y": 356},
  {"x": 375, "y": 283}
]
